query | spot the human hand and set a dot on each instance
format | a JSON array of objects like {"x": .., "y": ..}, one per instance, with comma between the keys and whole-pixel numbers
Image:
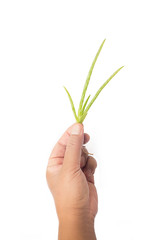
[{"x": 70, "y": 178}]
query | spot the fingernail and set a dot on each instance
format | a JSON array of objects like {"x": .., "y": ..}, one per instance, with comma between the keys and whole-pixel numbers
[{"x": 76, "y": 129}]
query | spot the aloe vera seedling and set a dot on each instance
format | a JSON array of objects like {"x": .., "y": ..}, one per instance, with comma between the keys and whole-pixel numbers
[{"x": 83, "y": 107}]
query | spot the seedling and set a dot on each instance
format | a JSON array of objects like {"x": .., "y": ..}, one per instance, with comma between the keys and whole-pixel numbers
[{"x": 83, "y": 107}]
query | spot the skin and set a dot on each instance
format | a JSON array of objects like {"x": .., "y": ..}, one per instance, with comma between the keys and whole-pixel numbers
[{"x": 70, "y": 177}]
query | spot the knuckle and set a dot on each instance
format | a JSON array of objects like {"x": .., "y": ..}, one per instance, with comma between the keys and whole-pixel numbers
[
  {"x": 92, "y": 161},
  {"x": 95, "y": 163},
  {"x": 92, "y": 164},
  {"x": 72, "y": 142}
]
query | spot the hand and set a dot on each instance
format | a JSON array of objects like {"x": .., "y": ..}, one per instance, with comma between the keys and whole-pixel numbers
[{"x": 70, "y": 177}]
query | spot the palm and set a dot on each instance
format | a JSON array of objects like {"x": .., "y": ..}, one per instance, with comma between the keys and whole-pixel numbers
[{"x": 89, "y": 183}]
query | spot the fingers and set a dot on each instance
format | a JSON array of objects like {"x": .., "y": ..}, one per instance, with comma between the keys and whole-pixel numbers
[
  {"x": 84, "y": 156},
  {"x": 89, "y": 169},
  {"x": 72, "y": 154},
  {"x": 91, "y": 165},
  {"x": 86, "y": 138},
  {"x": 60, "y": 147},
  {"x": 57, "y": 154}
]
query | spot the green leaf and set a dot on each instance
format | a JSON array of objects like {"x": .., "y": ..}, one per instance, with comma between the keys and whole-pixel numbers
[
  {"x": 88, "y": 79},
  {"x": 72, "y": 104},
  {"x": 85, "y": 103},
  {"x": 100, "y": 89}
]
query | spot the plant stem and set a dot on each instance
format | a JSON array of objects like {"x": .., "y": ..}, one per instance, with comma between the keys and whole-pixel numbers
[{"x": 85, "y": 103}]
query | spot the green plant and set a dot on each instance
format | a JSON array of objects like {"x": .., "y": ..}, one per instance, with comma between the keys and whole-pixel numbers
[{"x": 83, "y": 107}]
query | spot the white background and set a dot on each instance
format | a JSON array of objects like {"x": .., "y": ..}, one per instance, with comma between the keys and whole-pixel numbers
[{"x": 47, "y": 44}]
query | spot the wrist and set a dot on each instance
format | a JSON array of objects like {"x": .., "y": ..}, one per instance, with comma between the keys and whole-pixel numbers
[{"x": 76, "y": 227}]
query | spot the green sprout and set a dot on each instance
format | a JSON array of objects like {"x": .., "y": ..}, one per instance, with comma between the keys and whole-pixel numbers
[{"x": 83, "y": 107}]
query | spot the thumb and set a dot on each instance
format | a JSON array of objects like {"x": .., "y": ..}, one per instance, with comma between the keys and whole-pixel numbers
[{"x": 72, "y": 155}]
